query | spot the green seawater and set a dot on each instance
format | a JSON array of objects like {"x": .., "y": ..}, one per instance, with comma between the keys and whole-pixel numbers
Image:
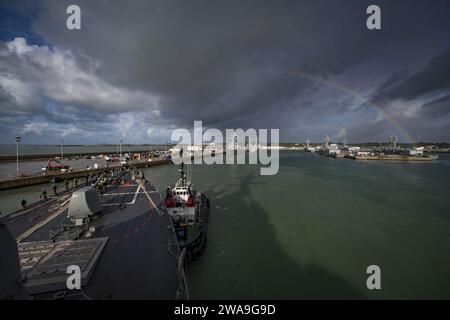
[{"x": 312, "y": 230}]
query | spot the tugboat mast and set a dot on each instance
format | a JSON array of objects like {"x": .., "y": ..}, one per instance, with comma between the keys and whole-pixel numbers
[{"x": 183, "y": 175}]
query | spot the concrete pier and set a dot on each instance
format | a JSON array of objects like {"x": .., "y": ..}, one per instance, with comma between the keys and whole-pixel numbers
[
  {"x": 45, "y": 157},
  {"x": 40, "y": 179}
]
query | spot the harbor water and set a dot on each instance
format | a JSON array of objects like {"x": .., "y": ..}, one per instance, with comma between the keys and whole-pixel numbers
[{"x": 312, "y": 230}]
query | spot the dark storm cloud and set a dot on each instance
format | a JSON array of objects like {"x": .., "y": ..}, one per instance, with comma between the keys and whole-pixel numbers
[
  {"x": 434, "y": 77},
  {"x": 230, "y": 63},
  {"x": 390, "y": 82},
  {"x": 196, "y": 53},
  {"x": 437, "y": 108}
]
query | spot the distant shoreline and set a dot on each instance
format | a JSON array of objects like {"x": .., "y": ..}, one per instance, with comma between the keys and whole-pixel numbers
[
  {"x": 30, "y": 152},
  {"x": 42, "y": 157}
]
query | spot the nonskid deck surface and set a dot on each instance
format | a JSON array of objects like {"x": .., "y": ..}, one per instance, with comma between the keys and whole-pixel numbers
[
  {"x": 140, "y": 258},
  {"x": 19, "y": 222}
]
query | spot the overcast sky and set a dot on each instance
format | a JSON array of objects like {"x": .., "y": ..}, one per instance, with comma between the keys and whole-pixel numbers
[{"x": 139, "y": 69}]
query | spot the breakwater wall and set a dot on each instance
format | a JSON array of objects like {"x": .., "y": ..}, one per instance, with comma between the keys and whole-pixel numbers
[
  {"x": 40, "y": 179},
  {"x": 42, "y": 157}
]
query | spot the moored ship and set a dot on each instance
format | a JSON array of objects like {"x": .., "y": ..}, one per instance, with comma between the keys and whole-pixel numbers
[{"x": 189, "y": 210}]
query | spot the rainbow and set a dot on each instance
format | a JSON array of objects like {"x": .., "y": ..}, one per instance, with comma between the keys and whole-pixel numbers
[{"x": 390, "y": 118}]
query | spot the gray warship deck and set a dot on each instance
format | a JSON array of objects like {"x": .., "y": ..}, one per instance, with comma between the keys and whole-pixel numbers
[{"x": 137, "y": 255}]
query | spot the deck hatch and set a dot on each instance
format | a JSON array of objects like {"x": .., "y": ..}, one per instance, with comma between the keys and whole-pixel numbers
[{"x": 44, "y": 263}]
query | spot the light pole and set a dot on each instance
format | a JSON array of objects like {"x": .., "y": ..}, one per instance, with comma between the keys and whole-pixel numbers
[
  {"x": 62, "y": 153},
  {"x": 120, "y": 148},
  {"x": 18, "y": 139}
]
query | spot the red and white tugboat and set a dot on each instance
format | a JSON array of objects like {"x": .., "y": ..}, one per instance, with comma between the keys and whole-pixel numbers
[{"x": 189, "y": 211}]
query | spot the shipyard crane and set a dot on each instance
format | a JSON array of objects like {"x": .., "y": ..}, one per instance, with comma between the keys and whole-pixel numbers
[
  {"x": 394, "y": 141},
  {"x": 326, "y": 142}
]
